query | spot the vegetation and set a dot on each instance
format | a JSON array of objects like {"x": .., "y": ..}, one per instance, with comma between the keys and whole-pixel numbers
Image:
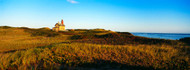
[
  {"x": 186, "y": 40},
  {"x": 24, "y": 48},
  {"x": 5, "y": 27},
  {"x": 13, "y": 39}
]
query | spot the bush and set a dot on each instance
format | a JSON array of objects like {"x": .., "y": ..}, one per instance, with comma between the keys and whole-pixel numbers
[
  {"x": 45, "y": 28},
  {"x": 110, "y": 35},
  {"x": 185, "y": 40},
  {"x": 124, "y": 33},
  {"x": 75, "y": 37},
  {"x": 42, "y": 32},
  {"x": 5, "y": 27},
  {"x": 24, "y": 27}
]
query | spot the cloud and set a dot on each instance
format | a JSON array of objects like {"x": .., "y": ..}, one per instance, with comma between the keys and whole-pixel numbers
[{"x": 72, "y": 1}]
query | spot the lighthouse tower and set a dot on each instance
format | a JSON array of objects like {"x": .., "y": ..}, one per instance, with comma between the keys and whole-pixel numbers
[
  {"x": 59, "y": 27},
  {"x": 62, "y": 23}
]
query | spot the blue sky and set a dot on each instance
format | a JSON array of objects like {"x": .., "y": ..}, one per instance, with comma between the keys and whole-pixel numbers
[{"x": 162, "y": 16}]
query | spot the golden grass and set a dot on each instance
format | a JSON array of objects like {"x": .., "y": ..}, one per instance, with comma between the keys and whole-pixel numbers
[
  {"x": 16, "y": 39},
  {"x": 79, "y": 54},
  {"x": 42, "y": 52}
]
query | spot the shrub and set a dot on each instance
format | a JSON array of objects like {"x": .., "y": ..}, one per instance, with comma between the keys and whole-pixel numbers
[
  {"x": 75, "y": 37},
  {"x": 5, "y": 27},
  {"x": 24, "y": 27},
  {"x": 42, "y": 32},
  {"x": 125, "y": 33},
  {"x": 45, "y": 28},
  {"x": 185, "y": 40},
  {"x": 110, "y": 35}
]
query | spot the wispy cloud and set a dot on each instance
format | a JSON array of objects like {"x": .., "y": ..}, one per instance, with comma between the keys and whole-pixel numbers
[{"x": 72, "y": 1}]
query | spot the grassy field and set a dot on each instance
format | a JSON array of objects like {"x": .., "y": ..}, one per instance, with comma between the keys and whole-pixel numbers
[{"x": 24, "y": 48}]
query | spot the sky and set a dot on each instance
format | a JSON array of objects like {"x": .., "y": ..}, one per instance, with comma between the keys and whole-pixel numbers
[{"x": 158, "y": 16}]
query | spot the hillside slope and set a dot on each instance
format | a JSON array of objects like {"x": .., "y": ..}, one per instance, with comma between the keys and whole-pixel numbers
[
  {"x": 25, "y": 48},
  {"x": 12, "y": 38}
]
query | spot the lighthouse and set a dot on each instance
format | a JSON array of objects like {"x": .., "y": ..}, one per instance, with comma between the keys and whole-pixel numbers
[
  {"x": 59, "y": 27},
  {"x": 62, "y": 23}
]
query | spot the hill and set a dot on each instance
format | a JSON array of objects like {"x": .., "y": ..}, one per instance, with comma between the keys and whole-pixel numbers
[{"x": 26, "y": 48}]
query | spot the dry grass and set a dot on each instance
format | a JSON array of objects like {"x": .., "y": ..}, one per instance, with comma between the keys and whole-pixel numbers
[
  {"x": 96, "y": 56},
  {"x": 16, "y": 39},
  {"x": 96, "y": 49}
]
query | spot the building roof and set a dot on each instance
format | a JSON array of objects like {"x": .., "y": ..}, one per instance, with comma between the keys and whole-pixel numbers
[{"x": 59, "y": 24}]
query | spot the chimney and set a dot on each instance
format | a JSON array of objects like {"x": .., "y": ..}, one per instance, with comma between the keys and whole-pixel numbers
[{"x": 62, "y": 22}]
